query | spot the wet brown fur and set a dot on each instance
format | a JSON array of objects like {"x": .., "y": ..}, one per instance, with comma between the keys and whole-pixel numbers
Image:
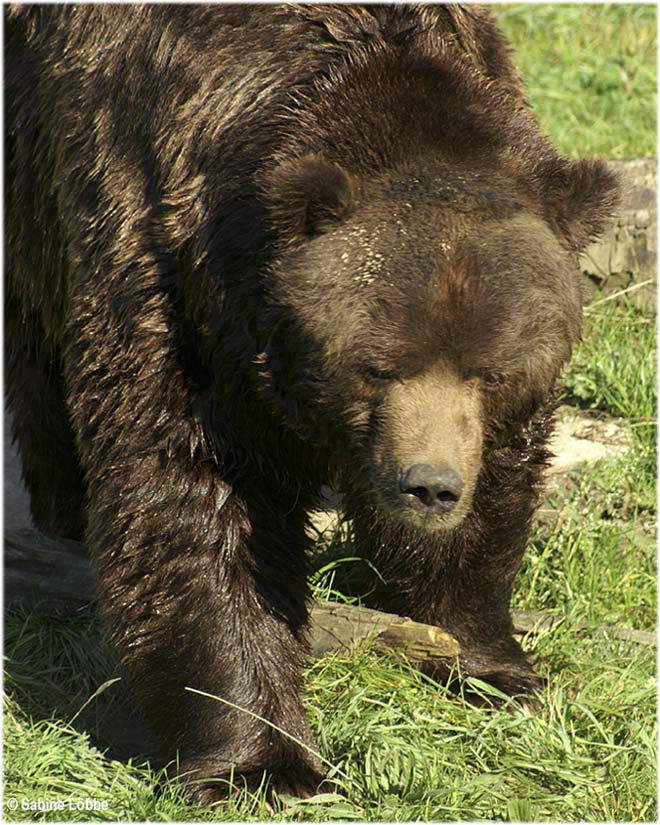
[{"x": 233, "y": 234}]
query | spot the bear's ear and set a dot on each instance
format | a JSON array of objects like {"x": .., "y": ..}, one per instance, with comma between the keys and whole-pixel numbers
[
  {"x": 306, "y": 194},
  {"x": 580, "y": 198}
]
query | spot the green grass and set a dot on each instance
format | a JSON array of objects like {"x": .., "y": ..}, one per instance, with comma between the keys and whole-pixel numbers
[
  {"x": 603, "y": 375},
  {"x": 590, "y": 70},
  {"x": 405, "y": 750},
  {"x": 402, "y": 747},
  {"x": 47, "y": 759},
  {"x": 597, "y": 561}
]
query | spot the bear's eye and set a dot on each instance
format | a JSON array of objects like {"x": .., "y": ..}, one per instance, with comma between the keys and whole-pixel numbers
[
  {"x": 493, "y": 380},
  {"x": 377, "y": 374}
]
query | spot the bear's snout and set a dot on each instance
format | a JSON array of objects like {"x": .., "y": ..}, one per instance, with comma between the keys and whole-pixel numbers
[
  {"x": 429, "y": 489},
  {"x": 427, "y": 449}
]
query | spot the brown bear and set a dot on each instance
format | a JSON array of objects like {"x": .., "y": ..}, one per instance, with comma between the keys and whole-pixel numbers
[{"x": 254, "y": 249}]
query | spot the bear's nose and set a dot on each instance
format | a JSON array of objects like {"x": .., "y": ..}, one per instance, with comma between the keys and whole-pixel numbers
[{"x": 430, "y": 489}]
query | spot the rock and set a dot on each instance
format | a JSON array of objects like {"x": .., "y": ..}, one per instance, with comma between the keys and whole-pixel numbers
[
  {"x": 625, "y": 257},
  {"x": 581, "y": 438}
]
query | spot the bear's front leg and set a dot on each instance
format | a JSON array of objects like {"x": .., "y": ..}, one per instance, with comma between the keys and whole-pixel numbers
[
  {"x": 204, "y": 589},
  {"x": 462, "y": 579},
  {"x": 201, "y": 581},
  {"x": 200, "y": 591}
]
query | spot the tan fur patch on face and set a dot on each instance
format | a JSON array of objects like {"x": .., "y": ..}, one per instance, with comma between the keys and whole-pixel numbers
[{"x": 432, "y": 419}]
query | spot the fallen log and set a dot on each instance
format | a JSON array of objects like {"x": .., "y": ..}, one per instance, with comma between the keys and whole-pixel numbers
[
  {"x": 344, "y": 627},
  {"x": 54, "y": 575},
  {"x": 532, "y": 621}
]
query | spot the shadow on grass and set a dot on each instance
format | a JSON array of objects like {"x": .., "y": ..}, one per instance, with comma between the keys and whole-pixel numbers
[{"x": 58, "y": 666}]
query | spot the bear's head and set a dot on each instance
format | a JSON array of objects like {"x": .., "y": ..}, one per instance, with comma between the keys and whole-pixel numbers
[{"x": 417, "y": 317}]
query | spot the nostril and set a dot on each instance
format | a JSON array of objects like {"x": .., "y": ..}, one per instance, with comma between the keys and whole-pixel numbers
[
  {"x": 429, "y": 488},
  {"x": 421, "y": 493},
  {"x": 447, "y": 497}
]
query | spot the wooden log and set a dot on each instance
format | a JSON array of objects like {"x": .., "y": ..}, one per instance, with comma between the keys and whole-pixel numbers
[
  {"x": 532, "y": 621},
  {"x": 54, "y": 575},
  {"x": 344, "y": 627}
]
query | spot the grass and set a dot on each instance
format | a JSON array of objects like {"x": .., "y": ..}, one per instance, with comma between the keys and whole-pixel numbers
[
  {"x": 602, "y": 377},
  {"x": 49, "y": 760},
  {"x": 590, "y": 71},
  {"x": 403, "y": 748}
]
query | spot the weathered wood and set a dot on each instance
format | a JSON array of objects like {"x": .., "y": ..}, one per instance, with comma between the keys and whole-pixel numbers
[
  {"x": 54, "y": 575},
  {"x": 53, "y": 572},
  {"x": 531, "y": 621},
  {"x": 343, "y": 627}
]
